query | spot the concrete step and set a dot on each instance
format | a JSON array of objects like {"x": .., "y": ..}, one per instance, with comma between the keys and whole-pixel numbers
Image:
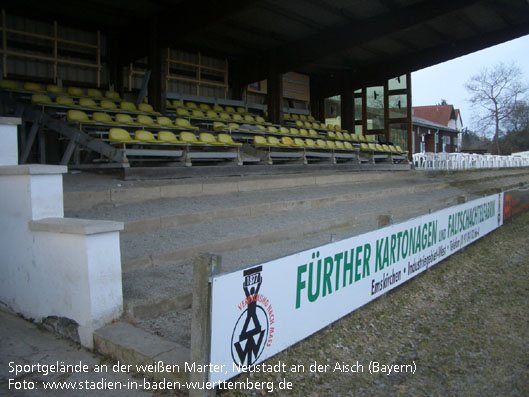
[
  {"x": 154, "y": 215},
  {"x": 130, "y": 345},
  {"x": 170, "y": 245},
  {"x": 161, "y": 289}
]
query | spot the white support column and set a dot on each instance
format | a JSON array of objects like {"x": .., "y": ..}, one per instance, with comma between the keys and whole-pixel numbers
[{"x": 9, "y": 140}]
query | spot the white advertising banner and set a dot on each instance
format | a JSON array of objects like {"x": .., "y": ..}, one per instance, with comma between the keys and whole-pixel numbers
[{"x": 259, "y": 311}]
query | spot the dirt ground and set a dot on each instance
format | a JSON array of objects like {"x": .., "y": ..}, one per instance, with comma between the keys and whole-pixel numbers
[{"x": 463, "y": 326}]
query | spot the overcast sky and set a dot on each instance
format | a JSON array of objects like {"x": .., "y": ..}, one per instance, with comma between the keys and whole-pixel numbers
[{"x": 447, "y": 80}]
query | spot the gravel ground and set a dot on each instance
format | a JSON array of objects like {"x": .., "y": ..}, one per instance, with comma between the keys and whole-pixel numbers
[{"x": 463, "y": 323}]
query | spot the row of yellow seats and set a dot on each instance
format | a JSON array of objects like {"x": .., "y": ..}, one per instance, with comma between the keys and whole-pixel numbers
[
  {"x": 78, "y": 116},
  {"x": 55, "y": 89},
  {"x": 350, "y": 137},
  {"x": 294, "y": 116},
  {"x": 308, "y": 124},
  {"x": 120, "y": 135},
  {"x": 377, "y": 147},
  {"x": 89, "y": 103},
  {"x": 299, "y": 143},
  {"x": 213, "y": 115},
  {"x": 204, "y": 107}
]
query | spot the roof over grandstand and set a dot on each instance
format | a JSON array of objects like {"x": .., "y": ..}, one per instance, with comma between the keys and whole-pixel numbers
[{"x": 336, "y": 42}]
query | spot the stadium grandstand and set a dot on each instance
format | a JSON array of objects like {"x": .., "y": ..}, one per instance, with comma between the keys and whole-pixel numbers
[{"x": 235, "y": 83}]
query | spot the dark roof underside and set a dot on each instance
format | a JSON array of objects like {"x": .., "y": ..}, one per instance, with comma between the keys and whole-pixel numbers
[{"x": 337, "y": 42}]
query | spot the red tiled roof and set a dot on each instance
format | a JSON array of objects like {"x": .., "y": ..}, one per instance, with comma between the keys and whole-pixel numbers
[{"x": 440, "y": 114}]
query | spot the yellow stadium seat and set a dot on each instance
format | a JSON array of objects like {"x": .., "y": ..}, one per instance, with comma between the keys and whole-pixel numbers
[
  {"x": 347, "y": 136},
  {"x": 88, "y": 103},
  {"x": 306, "y": 124},
  {"x": 113, "y": 95},
  {"x": 218, "y": 108},
  {"x": 339, "y": 135},
  {"x": 234, "y": 126},
  {"x": 310, "y": 143},
  {"x": 145, "y": 120},
  {"x": 55, "y": 89},
  {"x": 108, "y": 105},
  {"x": 286, "y": 116},
  {"x": 168, "y": 137},
  {"x": 386, "y": 148},
  {"x": 261, "y": 127},
  {"x": 260, "y": 120},
  {"x": 164, "y": 121},
  {"x": 183, "y": 123},
  {"x": 196, "y": 113},
  {"x": 29, "y": 86},
  {"x": 272, "y": 130},
  {"x": 294, "y": 131},
  {"x": 339, "y": 145},
  {"x": 191, "y": 105},
  {"x": 224, "y": 116},
  {"x": 178, "y": 103},
  {"x": 182, "y": 112},
  {"x": 273, "y": 141},
  {"x": 204, "y": 106},
  {"x": 128, "y": 106},
  {"x": 189, "y": 138},
  {"x": 313, "y": 133},
  {"x": 41, "y": 99},
  {"x": 287, "y": 141},
  {"x": 348, "y": 146},
  {"x": 147, "y": 108},
  {"x": 331, "y": 135},
  {"x": 9, "y": 84},
  {"x": 372, "y": 146},
  {"x": 249, "y": 118},
  {"x": 229, "y": 109},
  {"x": 120, "y": 135},
  {"x": 168, "y": 103},
  {"x": 65, "y": 101},
  {"x": 94, "y": 93},
  {"x": 75, "y": 91},
  {"x": 104, "y": 118},
  {"x": 210, "y": 114},
  {"x": 125, "y": 119},
  {"x": 300, "y": 124},
  {"x": 331, "y": 144},
  {"x": 299, "y": 142},
  {"x": 207, "y": 138},
  {"x": 310, "y": 118},
  {"x": 219, "y": 126},
  {"x": 145, "y": 136},
  {"x": 237, "y": 117},
  {"x": 78, "y": 116},
  {"x": 241, "y": 110},
  {"x": 284, "y": 130},
  {"x": 304, "y": 132},
  {"x": 294, "y": 116},
  {"x": 303, "y": 117},
  {"x": 364, "y": 147},
  {"x": 226, "y": 139},
  {"x": 260, "y": 141},
  {"x": 321, "y": 144}
]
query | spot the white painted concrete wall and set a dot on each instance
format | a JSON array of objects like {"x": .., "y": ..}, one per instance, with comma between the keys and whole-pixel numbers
[{"x": 55, "y": 266}]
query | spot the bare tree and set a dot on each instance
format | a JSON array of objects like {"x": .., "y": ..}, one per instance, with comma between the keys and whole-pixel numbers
[{"x": 494, "y": 95}]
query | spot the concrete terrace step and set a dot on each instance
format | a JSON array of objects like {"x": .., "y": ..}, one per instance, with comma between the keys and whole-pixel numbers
[
  {"x": 131, "y": 345},
  {"x": 173, "y": 244},
  {"x": 82, "y": 191},
  {"x": 164, "y": 288},
  {"x": 159, "y": 214}
]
